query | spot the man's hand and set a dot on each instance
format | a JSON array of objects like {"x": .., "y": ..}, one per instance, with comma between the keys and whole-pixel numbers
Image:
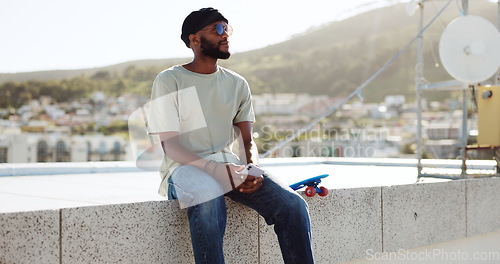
[
  {"x": 251, "y": 184},
  {"x": 226, "y": 174},
  {"x": 242, "y": 182}
]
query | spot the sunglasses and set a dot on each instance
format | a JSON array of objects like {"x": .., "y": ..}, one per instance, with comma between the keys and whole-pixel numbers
[{"x": 220, "y": 28}]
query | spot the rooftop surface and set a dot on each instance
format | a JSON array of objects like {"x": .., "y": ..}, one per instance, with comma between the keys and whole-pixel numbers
[{"x": 43, "y": 186}]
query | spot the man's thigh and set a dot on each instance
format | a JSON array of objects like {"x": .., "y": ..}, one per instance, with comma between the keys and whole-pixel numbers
[
  {"x": 193, "y": 186},
  {"x": 269, "y": 199}
]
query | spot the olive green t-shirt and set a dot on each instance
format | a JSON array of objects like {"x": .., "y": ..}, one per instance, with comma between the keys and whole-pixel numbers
[{"x": 203, "y": 108}]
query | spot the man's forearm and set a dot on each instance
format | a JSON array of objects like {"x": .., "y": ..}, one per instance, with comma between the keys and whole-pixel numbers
[
  {"x": 182, "y": 155},
  {"x": 248, "y": 149},
  {"x": 222, "y": 173}
]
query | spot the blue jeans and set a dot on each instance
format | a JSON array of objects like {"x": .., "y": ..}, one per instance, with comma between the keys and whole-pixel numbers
[{"x": 279, "y": 205}]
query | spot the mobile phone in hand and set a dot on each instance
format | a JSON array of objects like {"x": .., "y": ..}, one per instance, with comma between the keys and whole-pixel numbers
[{"x": 251, "y": 169}]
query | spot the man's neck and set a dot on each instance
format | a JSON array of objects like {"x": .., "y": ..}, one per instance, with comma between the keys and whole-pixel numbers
[{"x": 203, "y": 65}]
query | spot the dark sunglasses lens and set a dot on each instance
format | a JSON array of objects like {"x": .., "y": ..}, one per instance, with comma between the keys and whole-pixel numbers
[{"x": 219, "y": 28}]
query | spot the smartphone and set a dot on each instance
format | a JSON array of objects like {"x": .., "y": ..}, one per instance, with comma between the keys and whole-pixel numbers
[{"x": 251, "y": 169}]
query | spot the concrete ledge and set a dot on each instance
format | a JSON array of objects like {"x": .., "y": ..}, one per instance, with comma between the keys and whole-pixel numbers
[
  {"x": 483, "y": 206},
  {"x": 338, "y": 235},
  {"x": 59, "y": 168},
  {"x": 149, "y": 232},
  {"x": 138, "y": 233},
  {"x": 422, "y": 214},
  {"x": 345, "y": 225},
  {"x": 29, "y": 237}
]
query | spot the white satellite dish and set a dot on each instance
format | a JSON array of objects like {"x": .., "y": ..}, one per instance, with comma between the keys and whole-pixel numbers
[
  {"x": 469, "y": 49},
  {"x": 412, "y": 7}
]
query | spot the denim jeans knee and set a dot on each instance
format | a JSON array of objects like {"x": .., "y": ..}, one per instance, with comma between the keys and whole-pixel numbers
[{"x": 192, "y": 186}]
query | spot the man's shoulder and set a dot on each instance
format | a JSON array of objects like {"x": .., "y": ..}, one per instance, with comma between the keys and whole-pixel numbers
[
  {"x": 172, "y": 71},
  {"x": 231, "y": 73}
]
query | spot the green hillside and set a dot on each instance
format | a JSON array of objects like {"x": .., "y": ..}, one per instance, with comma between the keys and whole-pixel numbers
[
  {"x": 338, "y": 58},
  {"x": 334, "y": 59},
  {"x": 68, "y": 74}
]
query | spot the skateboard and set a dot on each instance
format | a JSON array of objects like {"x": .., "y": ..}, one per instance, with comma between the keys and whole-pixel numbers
[{"x": 311, "y": 185}]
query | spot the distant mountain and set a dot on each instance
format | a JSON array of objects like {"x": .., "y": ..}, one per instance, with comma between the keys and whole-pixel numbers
[
  {"x": 334, "y": 59},
  {"x": 339, "y": 57},
  {"x": 67, "y": 74}
]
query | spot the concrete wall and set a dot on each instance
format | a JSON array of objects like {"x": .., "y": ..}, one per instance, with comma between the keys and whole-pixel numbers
[
  {"x": 423, "y": 214},
  {"x": 342, "y": 223},
  {"x": 345, "y": 224}
]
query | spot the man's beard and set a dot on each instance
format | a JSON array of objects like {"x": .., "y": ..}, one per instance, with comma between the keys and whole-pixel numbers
[{"x": 213, "y": 50}]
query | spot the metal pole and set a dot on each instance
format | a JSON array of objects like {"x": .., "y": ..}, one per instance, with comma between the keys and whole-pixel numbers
[
  {"x": 497, "y": 77},
  {"x": 418, "y": 80},
  {"x": 465, "y": 130}
]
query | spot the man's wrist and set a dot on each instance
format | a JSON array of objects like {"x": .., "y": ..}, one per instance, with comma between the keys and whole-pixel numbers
[
  {"x": 206, "y": 168},
  {"x": 215, "y": 164}
]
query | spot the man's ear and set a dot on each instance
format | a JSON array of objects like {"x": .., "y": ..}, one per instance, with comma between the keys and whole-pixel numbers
[{"x": 193, "y": 39}]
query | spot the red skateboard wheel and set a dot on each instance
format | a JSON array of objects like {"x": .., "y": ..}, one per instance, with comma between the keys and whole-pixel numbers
[
  {"x": 324, "y": 191},
  {"x": 310, "y": 191}
]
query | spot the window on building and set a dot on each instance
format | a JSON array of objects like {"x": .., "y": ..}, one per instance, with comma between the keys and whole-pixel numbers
[
  {"x": 62, "y": 154},
  {"x": 102, "y": 150},
  {"x": 117, "y": 151},
  {"x": 3, "y": 155},
  {"x": 43, "y": 154},
  {"x": 89, "y": 151}
]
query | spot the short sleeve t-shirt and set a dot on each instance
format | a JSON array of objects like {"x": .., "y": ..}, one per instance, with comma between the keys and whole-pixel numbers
[{"x": 203, "y": 108}]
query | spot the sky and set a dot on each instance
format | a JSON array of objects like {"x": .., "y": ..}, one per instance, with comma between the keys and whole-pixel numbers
[{"x": 40, "y": 35}]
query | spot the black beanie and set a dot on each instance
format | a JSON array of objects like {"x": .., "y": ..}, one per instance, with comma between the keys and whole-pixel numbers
[{"x": 198, "y": 20}]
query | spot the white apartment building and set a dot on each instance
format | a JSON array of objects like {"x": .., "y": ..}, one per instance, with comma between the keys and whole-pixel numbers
[
  {"x": 291, "y": 104},
  {"x": 61, "y": 147}
]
